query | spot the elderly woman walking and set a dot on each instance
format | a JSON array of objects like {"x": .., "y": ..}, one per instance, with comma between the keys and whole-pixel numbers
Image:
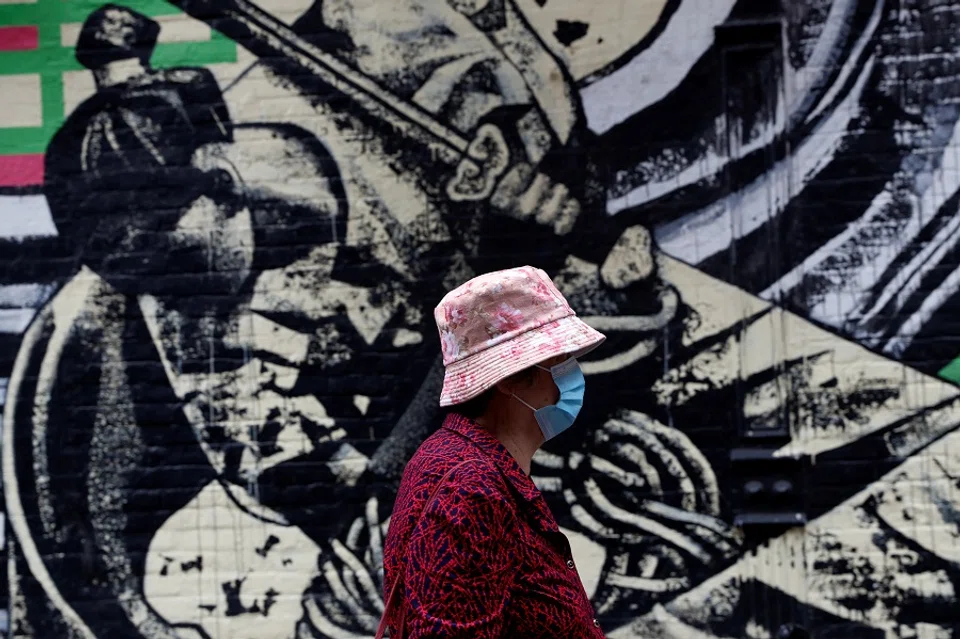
[{"x": 472, "y": 548}]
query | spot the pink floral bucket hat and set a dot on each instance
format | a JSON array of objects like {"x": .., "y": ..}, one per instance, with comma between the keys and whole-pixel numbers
[{"x": 501, "y": 323}]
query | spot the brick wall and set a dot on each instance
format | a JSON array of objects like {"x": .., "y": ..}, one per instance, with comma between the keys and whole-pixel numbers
[{"x": 224, "y": 227}]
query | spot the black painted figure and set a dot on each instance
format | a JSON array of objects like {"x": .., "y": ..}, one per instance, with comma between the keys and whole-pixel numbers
[{"x": 124, "y": 156}]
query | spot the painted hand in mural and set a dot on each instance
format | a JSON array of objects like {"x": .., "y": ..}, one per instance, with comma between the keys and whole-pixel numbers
[
  {"x": 345, "y": 601},
  {"x": 515, "y": 189},
  {"x": 487, "y": 158},
  {"x": 527, "y": 194},
  {"x": 624, "y": 298}
]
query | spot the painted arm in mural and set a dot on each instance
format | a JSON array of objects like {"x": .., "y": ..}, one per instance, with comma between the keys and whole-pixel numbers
[
  {"x": 531, "y": 141},
  {"x": 487, "y": 94}
]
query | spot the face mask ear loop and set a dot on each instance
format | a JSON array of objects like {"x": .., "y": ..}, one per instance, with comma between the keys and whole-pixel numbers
[
  {"x": 550, "y": 370},
  {"x": 543, "y": 368},
  {"x": 523, "y": 402}
]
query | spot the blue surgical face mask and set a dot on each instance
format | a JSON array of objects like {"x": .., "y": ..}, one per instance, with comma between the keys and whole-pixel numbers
[{"x": 556, "y": 418}]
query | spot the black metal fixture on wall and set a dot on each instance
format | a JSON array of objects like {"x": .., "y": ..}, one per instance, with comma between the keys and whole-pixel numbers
[
  {"x": 767, "y": 487},
  {"x": 769, "y": 490}
]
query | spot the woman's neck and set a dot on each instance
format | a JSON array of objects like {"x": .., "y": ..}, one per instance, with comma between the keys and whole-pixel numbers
[{"x": 513, "y": 427}]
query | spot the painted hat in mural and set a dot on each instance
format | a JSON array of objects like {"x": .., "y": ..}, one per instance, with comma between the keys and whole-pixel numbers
[
  {"x": 114, "y": 33},
  {"x": 501, "y": 323}
]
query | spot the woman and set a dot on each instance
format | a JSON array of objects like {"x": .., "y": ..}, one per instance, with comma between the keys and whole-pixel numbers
[{"x": 472, "y": 548}]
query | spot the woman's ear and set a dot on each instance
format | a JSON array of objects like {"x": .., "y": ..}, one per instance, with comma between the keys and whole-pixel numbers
[{"x": 505, "y": 386}]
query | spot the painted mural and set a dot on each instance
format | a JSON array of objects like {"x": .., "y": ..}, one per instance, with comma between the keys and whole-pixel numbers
[{"x": 224, "y": 225}]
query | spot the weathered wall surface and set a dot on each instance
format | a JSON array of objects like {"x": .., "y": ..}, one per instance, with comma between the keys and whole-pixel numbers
[{"x": 224, "y": 226}]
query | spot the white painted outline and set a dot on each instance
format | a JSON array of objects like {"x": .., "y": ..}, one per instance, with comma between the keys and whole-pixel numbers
[{"x": 11, "y": 492}]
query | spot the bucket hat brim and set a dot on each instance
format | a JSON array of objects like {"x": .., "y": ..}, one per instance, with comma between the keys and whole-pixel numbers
[{"x": 477, "y": 373}]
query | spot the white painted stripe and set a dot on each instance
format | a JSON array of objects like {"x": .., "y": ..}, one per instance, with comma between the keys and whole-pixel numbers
[
  {"x": 3, "y": 390},
  {"x": 11, "y": 493},
  {"x": 865, "y": 39},
  {"x": 25, "y": 295},
  {"x": 173, "y": 28},
  {"x": 909, "y": 279},
  {"x": 822, "y": 59},
  {"x": 857, "y": 245},
  {"x": 707, "y": 166},
  {"x": 645, "y": 79},
  {"x": 899, "y": 343},
  {"x": 804, "y": 89},
  {"x": 23, "y": 216},
  {"x": 15, "y": 320},
  {"x": 848, "y": 240},
  {"x": 704, "y": 233}
]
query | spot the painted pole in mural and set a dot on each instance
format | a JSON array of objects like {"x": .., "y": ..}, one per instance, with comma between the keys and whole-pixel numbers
[
  {"x": 480, "y": 162},
  {"x": 266, "y": 36}
]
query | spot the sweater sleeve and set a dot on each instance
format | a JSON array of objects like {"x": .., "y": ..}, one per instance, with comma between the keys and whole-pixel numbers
[{"x": 462, "y": 560}]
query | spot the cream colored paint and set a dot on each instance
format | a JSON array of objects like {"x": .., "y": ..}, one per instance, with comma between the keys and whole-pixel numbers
[
  {"x": 613, "y": 28},
  {"x": 22, "y": 105},
  {"x": 212, "y": 529},
  {"x": 63, "y": 307},
  {"x": 77, "y": 87},
  {"x": 588, "y": 556},
  {"x": 778, "y": 336}
]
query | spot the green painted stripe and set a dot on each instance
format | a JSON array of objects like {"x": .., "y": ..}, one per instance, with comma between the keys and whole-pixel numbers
[
  {"x": 951, "y": 371},
  {"x": 49, "y": 36},
  {"x": 25, "y": 140},
  {"x": 178, "y": 54},
  {"x": 60, "y": 59},
  {"x": 57, "y": 12},
  {"x": 51, "y": 97},
  {"x": 51, "y": 59},
  {"x": 44, "y": 59}
]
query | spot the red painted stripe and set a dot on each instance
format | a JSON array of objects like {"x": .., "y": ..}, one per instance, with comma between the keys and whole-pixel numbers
[
  {"x": 19, "y": 38},
  {"x": 21, "y": 170}
]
